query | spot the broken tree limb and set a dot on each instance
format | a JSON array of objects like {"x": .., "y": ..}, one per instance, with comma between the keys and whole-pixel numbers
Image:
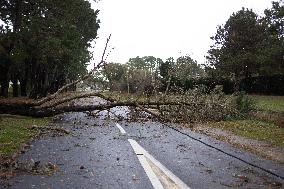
[
  {"x": 67, "y": 99},
  {"x": 53, "y": 108},
  {"x": 152, "y": 113}
]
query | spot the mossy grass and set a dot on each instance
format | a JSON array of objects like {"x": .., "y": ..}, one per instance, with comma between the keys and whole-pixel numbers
[
  {"x": 16, "y": 130},
  {"x": 254, "y": 129},
  {"x": 269, "y": 103}
]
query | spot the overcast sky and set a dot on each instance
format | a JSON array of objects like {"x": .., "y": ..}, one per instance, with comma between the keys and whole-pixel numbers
[{"x": 164, "y": 28}]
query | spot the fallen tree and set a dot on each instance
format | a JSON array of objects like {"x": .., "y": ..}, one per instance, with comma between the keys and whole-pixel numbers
[{"x": 190, "y": 106}]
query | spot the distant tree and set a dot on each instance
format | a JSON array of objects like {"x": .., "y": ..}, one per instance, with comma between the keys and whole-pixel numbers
[
  {"x": 179, "y": 72},
  {"x": 237, "y": 43},
  {"x": 143, "y": 72},
  {"x": 272, "y": 59},
  {"x": 137, "y": 63},
  {"x": 152, "y": 63},
  {"x": 99, "y": 80},
  {"x": 186, "y": 68},
  {"x": 116, "y": 75},
  {"x": 166, "y": 68}
]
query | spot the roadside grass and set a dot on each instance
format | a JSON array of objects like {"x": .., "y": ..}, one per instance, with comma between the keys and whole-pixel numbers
[
  {"x": 14, "y": 131},
  {"x": 254, "y": 129},
  {"x": 269, "y": 103}
]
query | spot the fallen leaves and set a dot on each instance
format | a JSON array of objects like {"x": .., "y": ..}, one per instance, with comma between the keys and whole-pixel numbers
[
  {"x": 50, "y": 128},
  {"x": 243, "y": 178},
  {"x": 134, "y": 177}
]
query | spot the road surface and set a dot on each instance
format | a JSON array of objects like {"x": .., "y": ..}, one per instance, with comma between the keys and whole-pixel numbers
[{"x": 105, "y": 153}]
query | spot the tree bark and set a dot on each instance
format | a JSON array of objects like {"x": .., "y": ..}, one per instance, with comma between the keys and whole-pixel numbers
[
  {"x": 168, "y": 85},
  {"x": 23, "y": 87},
  {"x": 15, "y": 88},
  {"x": 4, "y": 87}
]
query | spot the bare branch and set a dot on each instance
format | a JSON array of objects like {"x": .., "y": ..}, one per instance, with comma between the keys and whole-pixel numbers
[
  {"x": 106, "y": 45},
  {"x": 67, "y": 99}
]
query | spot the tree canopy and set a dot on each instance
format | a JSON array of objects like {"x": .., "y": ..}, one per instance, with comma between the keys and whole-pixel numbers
[
  {"x": 249, "y": 45},
  {"x": 44, "y": 44}
]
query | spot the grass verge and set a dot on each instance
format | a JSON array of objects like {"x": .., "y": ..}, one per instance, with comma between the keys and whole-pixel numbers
[
  {"x": 14, "y": 131},
  {"x": 269, "y": 103},
  {"x": 254, "y": 129}
]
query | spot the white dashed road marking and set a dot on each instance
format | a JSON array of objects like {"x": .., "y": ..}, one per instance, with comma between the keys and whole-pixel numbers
[
  {"x": 122, "y": 131},
  {"x": 171, "y": 180},
  {"x": 158, "y": 174},
  {"x": 150, "y": 173}
]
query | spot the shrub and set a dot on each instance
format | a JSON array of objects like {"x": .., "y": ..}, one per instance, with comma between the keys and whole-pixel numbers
[
  {"x": 243, "y": 103},
  {"x": 269, "y": 85}
]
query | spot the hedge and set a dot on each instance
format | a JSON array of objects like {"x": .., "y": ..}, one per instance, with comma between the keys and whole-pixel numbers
[{"x": 266, "y": 85}]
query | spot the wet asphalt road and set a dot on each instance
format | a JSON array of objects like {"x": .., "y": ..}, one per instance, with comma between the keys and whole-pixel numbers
[{"x": 96, "y": 155}]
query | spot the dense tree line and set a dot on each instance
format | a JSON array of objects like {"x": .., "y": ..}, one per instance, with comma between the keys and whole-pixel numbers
[
  {"x": 44, "y": 44},
  {"x": 148, "y": 74}
]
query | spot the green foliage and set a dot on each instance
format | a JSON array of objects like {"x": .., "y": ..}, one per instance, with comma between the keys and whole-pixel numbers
[
  {"x": 236, "y": 45},
  {"x": 138, "y": 75},
  {"x": 47, "y": 42},
  {"x": 137, "y": 63},
  {"x": 116, "y": 75},
  {"x": 273, "y": 47},
  {"x": 249, "y": 45},
  {"x": 166, "y": 68},
  {"x": 150, "y": 63},
  {"x": 244, "y": 103},
  {"x": 180, "y": 72},
  {"x": 187, "y": 68}
]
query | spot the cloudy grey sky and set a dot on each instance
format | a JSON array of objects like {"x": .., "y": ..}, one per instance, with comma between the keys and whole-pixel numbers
[{"x": 164, "y": 28}]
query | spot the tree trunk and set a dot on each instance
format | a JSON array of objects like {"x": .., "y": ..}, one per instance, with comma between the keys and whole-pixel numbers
[
  {"x": 34, "y": 79},
  {"x": 237, "y": 84},
  {"x": 23, "y": 87},
  {"x": 24, "y": 79},
  {"x": 15, "y": 88},
  {"x": 168, "y": 85},
  {"x": 4, "y": 87}
]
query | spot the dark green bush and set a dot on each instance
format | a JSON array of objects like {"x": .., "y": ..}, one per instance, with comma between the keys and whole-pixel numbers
[
  {"x": 243, "y": 103},
  {"x": 267, "y": 85}
]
